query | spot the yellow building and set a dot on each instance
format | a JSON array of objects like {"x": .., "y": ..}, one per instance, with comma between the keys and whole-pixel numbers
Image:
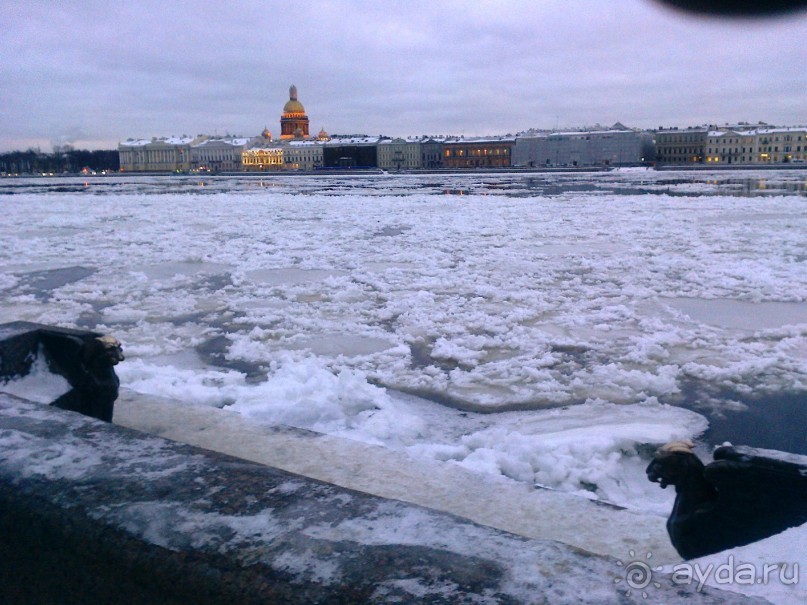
[
  {"x": 262, "y": 158},
  {"x": 774, "y": 145},
  {"x": 730, "y": 147},
  {"x": 757, "y": 146}
]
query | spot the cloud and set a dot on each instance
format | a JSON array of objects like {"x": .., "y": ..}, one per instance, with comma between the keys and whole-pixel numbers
[{"x": 394, "y": 67}]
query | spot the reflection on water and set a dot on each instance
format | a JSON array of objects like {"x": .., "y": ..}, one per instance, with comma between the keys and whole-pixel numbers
[{"x": 770, "y": 421}]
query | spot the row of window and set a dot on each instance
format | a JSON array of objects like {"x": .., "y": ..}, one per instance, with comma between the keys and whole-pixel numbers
[
  {"x": 679, "y": 151},
  {"x": 769, "y": 149},
  {"x": 680, "y": 138},
  {"x": 475, "y": 151}
]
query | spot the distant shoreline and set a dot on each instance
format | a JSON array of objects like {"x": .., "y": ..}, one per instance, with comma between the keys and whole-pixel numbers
[{"x": 451, "y": 171}]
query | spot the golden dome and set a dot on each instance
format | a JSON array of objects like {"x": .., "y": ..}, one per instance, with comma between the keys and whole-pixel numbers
[
  {"x": 293, "y": 122},
  {"x": 293, "y": 105}
]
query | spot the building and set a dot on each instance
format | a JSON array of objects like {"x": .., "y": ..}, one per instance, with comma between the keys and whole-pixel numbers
[
  {"x": 616, "y": 146},
  {"x": 478, "y": 153},
  {"x": 262, "y": 157},
  {"x": 730, "y": 147},
  {"x": 218, "y": 154},
  {"x": 780, "y": 145},
  {"x": 351, "y": 152},
  {"x": 756, "y": 146},
  {"x": 293, "y": 121},
  {"x": 168, "y": 154},
  {"x": 399, "y": 154},
  {"x": 303, "y": 155},
  {"x": 431, "y": 153},
  {"x": 681, "y": 147}
]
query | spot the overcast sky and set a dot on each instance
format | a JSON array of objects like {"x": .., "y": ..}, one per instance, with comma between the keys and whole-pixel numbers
[{"x": 96, "y": 73}]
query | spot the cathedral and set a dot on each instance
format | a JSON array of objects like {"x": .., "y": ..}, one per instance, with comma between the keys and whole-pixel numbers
[{"x": 293, "y": 122}]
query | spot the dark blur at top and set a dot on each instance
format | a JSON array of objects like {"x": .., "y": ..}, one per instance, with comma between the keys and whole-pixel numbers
[{"x": 738, "y": 8}]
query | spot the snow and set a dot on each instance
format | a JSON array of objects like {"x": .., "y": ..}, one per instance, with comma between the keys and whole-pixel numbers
[
  {"x": 774, "y": 568},
  {"x": 403, "y": 474},
  {"x": 57, "y": 456},
  {"x": 40, "y": 384},
  {"x": 534, "y": 328}
]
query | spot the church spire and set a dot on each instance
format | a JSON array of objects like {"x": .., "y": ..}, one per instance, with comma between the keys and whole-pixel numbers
[{"x": 293, "y": 93}]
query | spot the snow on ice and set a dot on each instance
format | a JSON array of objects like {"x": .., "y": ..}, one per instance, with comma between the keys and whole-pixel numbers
[{"x": 545, "y": 328}]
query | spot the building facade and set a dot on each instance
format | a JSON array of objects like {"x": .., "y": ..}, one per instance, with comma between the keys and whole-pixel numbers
[
  {"x": 218, "y": 155},
  {"x": 478, "y": 153},
  {"x": 351, "y": 152},
  {"x": 781, "y": 145},
  {"x": 303, "y": 155},
  {"x": 262, "y": 158},
  {"x": 169, "y": 154},
  {"x": 730, "y": 147},
  {"x": 399, "y": 154},
  {"x": 431, "y": 153},
  {"x": 617, "y": 146},
  {"x": 757, "y": 146},
  {"x": 681, "y": 147}
]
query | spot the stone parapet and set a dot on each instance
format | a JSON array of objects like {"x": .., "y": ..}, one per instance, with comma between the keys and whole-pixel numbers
[{"x": 91, "y": 512}]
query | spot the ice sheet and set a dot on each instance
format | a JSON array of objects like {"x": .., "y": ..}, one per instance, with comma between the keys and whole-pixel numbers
[{"x": 306, "y": 297}]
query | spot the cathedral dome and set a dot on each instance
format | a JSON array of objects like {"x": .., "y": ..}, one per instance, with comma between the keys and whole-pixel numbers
[
  {"x": 293, "y": 121},
  {"x": 293, "y": 105}
]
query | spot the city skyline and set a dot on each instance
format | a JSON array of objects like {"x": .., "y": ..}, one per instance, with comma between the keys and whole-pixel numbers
[{"x": 82, "y": 75}]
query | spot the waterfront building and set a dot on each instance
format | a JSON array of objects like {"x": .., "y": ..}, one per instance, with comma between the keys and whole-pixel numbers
[
  {"x": 774, "y": 145},
  {"x": 168, "y": 154},
  {"x": 478, "y": 153},
  {"x": 756, "y": 146},
  {"x": 616, "y": 146},
  {"x": 218, "y": 154},
  {"x": 399, "y": 154},
  {"x": 431, "y": 153},
  {"x": 351, "y": 152},
  {"x": 681, "y": 147},
  {"x": 303, "y": 155},
  {"x": 262, "y": 157},
  {"x": 293, "y": 121},
  {"x": 730, "y": 147}
]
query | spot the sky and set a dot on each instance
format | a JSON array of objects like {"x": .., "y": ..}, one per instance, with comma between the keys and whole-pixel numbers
[{"x": 93, "y": 73}]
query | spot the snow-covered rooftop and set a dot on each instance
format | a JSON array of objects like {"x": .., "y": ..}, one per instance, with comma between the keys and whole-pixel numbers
[
  {"x": 306, "y": 143},
  {"x": 353, "y": 141},
  {"x": 454, "y": 140},
  {"x": 173, "y": 140},
  {"x": 234, "y": 142}
]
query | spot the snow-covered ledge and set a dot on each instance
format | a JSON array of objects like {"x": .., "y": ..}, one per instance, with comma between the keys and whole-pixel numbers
[{"x": 91, "y": 510}]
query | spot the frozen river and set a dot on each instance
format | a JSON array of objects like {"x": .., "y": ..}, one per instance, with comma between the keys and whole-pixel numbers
[{"x": 550, "y": 328}]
